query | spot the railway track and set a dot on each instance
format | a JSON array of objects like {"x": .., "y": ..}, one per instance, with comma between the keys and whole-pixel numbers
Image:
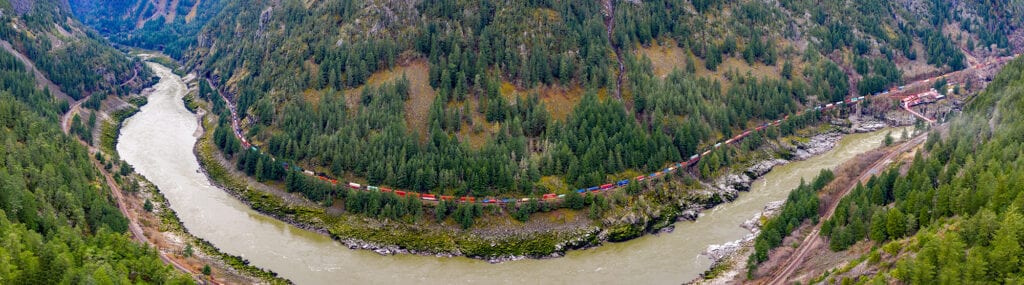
[
  {"x": 813, "y": 239},
  {"x": 895, "y": 92}
]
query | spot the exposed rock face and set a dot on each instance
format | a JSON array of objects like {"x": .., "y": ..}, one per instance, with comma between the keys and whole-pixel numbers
[
  {"x": 868, "y": 126},
  {"x": 718, "y": 252},
  {"x": 689, "y": 215},
  {"x": 761, "y": 168},
  {"x": 817, "y": 145},
  {"x": 730, "y": 184},
  {"x": 739, "y": 182}
]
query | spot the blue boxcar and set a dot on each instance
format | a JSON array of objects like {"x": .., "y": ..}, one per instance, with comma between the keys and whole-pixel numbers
[
  {"x": 622, "y": 182},
  {"x": 595, "y": 188},
  {"x": 581, "y": 190}
]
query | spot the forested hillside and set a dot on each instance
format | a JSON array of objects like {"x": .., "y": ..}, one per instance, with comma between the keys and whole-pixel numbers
[
  {"x": 528, "y": 96},
  {"x": 58, "y": 219},
  {"x": 149, "y": 24},
  {"x": 957, "y": 214},
  {"x": 74, "y": 57}
]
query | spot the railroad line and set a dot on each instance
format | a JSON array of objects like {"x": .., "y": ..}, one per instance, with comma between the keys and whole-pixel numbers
[{"x": 897, "y": 92}]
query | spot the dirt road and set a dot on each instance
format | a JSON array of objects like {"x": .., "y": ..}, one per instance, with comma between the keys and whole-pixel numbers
[
  {"x": 813, "y": 240},
  {"x": 122, "y": 204}
]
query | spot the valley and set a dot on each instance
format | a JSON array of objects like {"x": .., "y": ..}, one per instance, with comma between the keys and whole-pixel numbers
[{"x": 455, "y": 142}]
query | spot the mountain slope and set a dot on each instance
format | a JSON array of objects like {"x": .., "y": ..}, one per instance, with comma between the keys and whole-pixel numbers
[
  {"x": 955, "y": 214},
  {"x": 59, "y": 221},
  {"x": 299, "y": 73},
  {"x": 286, "y": 62},
  {"x": 169, "y": 26},
  {"x": 68, "y": 53}
]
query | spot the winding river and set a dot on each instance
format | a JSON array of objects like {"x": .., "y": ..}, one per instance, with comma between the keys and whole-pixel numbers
[{"x": 158, "y": 142}]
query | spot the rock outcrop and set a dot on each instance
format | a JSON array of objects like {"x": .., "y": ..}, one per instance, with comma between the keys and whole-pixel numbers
[{"x": 817, "y": 145}]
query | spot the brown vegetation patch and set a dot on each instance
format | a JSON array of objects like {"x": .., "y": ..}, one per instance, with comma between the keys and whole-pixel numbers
[
  {"x": 918, "y": 68},
  {"x": 417, "y": 108},
  {"x": 665, "y": 58}
]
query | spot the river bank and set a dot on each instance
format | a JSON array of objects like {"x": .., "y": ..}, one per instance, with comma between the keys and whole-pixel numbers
[
  {"x": 390, "y": 238},
  {"x": 730, "y": 260},
  {"x": 166, "y": 137},
  {"x": 160, "y": 224}
]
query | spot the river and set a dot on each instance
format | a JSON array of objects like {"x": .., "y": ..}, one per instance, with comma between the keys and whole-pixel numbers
[{"x": 158, "y": 142}]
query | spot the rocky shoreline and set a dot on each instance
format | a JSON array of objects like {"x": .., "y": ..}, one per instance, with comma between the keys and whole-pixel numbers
[
  {"x": 580, "y": 241},
  {"x": 719, "y": 252},
  {"x": 730, "y": 184},
  {"x": 729, "y": 257},
  {"x": 725, "y": 189}
]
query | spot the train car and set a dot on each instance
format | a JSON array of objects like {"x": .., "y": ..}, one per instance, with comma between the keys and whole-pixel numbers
[
  {"x": 581, "y": 191},
  {"x": 428, "y": 197},
  {"x": 400, "y": 193},
  {"x": 307, "y": 172},
  {"x": 622, "y": 182},
  {"x": 467, "y": 199},
  {"x": 524, "y": 200},
  {"x": 640, "y": 178},
  {"x": 653, "y": 175},
  {"x": 705, "y": 153},
  {"x": 744, "y": 134},
  {"x": 548, "y": 196},
  {"x": 506, "y": 200},
  {"x": 670, "y": 169},
  {"x": 385, "y": 189},
  {"x": 860, "y": 98},
  {"x": 693, "y": 158},
  {"x": 354, "y": 185},
  {"x": 718, "y": 145},
  {"x": 447, "y": 198},
  {"x": 829, "y": 105},
  {"x": 595, "y": 188},
  {"x": 561, "y": 196},
  {"x": 729, "y": 141},
  {"x": 900, "y": 88},
  {"x": 373, "y": 188},
  {"x": 607, "y": 186}
]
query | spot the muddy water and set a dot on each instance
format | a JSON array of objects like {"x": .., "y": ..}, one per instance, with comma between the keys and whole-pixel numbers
[{"x": 158, "y": 142}]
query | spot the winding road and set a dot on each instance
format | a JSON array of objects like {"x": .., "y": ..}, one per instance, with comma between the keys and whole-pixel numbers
[{"x": 133, "y": 221}]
